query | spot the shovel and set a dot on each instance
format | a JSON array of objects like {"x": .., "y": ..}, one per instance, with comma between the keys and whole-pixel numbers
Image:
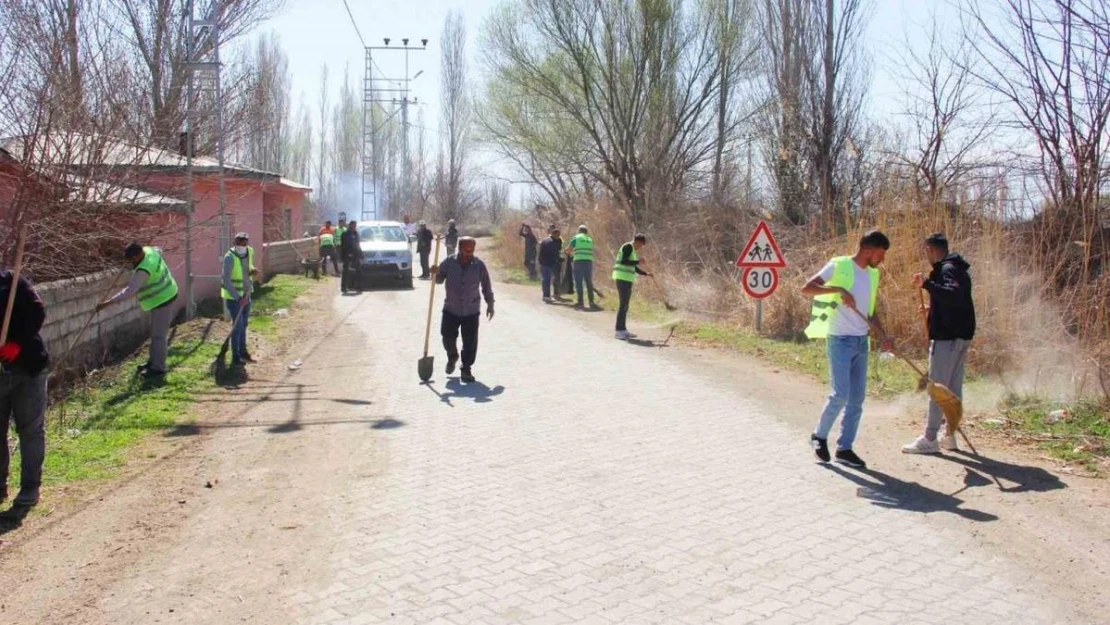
[
  {"x": 949, "y": 403},
  {"x": 425, "y": 365}
]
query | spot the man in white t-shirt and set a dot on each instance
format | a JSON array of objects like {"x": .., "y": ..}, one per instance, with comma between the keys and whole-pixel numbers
[{"x": 844, "y": 295}]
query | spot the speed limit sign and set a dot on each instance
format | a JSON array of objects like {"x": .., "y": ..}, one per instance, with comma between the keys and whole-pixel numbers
[{"x": 759, "y": 282}]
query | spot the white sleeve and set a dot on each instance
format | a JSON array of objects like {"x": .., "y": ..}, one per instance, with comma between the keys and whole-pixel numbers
[{"x": 826, "y": 272}]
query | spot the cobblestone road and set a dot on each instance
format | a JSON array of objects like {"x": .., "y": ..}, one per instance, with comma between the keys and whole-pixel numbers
[{"x": 583, "y": 481}]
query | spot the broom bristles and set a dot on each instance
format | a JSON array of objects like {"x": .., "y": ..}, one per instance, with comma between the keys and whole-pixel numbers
[{"x": 950, "y": 405}]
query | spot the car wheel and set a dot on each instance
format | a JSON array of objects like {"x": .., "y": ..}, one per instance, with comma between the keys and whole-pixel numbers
[{"x": 408, "y": 280}]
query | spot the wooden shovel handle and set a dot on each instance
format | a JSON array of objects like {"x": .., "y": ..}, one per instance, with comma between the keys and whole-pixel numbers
[
  {"x": 17, "y": 268},
  {"x": 431, "y": 302},
  {"x": 882, "y": 335},
  {"x": 924, "y": 318}
]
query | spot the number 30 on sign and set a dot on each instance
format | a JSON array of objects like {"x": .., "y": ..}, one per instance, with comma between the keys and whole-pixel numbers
[{"x": 760, "y": 282}]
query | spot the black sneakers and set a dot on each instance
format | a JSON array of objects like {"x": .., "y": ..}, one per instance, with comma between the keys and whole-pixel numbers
[
  {"x": 451, "y": 364},
  {"x": 820, "y": 447},
  {"x": 849, "y": 457},
  {"x": 467, "y": 376}
]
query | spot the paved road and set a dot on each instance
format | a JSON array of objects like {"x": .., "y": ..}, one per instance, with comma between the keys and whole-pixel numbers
[{"x": 583, "y": 481}]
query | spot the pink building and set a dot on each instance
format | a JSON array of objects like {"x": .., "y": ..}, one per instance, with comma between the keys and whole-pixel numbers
[{"x": 264, "y": 204}]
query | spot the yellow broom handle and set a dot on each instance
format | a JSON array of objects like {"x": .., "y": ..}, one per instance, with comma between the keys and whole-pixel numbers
[
  {"x": 893, "y": 348},
  {"x": 431, "y": 302},
  {"x": 17, "y": 268}
]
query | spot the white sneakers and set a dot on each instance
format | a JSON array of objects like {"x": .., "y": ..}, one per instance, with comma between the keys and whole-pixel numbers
[
  {"x": 622, "y": 335},
  {"x": 925, "y": 446}
]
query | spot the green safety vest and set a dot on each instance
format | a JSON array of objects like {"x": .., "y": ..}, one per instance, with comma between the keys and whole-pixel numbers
[
  {"x": 339, "y": 235},
  {"x": 583, "y": 247},
  {"x": 237, "y": 272},
  {"x": 824, "y": 306},
  {"x": 327, "y": 239},
  {"x": 160, "y": 287},
  {"x": 626, "y": 273}
]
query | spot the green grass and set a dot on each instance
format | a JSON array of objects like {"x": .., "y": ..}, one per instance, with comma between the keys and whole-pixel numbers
[
  {"x": 1081, "y": 436},
  {"x": 115, "y": 409}
]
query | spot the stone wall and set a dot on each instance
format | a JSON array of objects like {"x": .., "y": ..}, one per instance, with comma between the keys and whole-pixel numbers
[
  {"x": 285, "y": 256},
  {"x": 118, "y": 329}
]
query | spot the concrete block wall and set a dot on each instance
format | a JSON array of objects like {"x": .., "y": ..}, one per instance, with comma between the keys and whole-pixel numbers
[
  {"x": 69, "y": 303},
  {"x": 285, "y": 256}
]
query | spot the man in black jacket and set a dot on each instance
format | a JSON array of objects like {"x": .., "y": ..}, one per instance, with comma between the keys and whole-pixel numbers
[
  {"x": 549, "y": 256},
  {"x": 951, "y": 315},
  {"x": 352, "y": 259},
  {"x": 423, "y": 247},
  {"x": 23, "y": 359}
]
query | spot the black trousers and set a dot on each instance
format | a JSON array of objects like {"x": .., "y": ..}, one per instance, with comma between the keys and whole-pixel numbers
[
  {"x": 624, "y": 291},
  {"x": 424, "y": 264},
  {"x": 350, "y": 280},
  {"x": 450, "y": 327},
  {"x": 329, "y": 253}
]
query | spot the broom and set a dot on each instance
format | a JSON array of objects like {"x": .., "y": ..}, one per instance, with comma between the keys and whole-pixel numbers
[
  {"x": 949, "y": 403},
  {"x": 666, "y": 301},
  {"x": 17, "y": 268}
]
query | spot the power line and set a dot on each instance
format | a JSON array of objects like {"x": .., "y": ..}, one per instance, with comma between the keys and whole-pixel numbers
[{"x": 355, "y": 24}]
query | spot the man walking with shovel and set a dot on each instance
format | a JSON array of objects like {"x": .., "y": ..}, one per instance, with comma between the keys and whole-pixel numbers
[
  {"x": 951, "y": 325},
  {"x": 846, "y": 282},
  {"x": 466, "y": 281}
]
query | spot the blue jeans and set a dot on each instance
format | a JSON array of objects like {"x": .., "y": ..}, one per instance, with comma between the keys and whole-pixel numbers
[
  {"x": 239, "y": 332},
  {"x": 547, "y": 274},
  {"x": 584, "y": 272},
  {"x": 848, "y": 375}
]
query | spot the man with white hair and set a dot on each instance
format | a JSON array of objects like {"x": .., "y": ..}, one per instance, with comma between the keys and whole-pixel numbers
[{"x": 581, "y": 249}]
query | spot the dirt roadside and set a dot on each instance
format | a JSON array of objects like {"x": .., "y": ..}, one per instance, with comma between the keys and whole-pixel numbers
[
  {"x": 91, "y": 538},
  {"x": 1056, "y": 524}
]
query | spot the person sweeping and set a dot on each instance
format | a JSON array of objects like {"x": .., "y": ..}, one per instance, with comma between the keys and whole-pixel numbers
[
  {"x": 153, "y": 285},
  {"x": 466, "y": 281},
  {"x": 951, "y": 323},
  {"x": 625, "y": 271},
  {"x": 846, "y": 282}
]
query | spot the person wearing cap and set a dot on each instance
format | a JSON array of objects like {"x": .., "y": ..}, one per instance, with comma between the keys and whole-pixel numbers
[
  {"x": 23, "y": 376},
  {"x": 352, "y": 260},
  {"x": 327, "y": 241},
  {"x": 951, "y": 321},
  {"x": 625, "y": 271},
  {"x": 581, "y": 249},
  {"x": 424, "y": 238},
  {"x": 466, "y": 281},
  {"x": 156, "y": 290},
  {"x": 451, "y": 239},
  {"x": 237, "y": 287}
]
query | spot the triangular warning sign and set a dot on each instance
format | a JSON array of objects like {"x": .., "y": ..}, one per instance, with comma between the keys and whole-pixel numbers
[{"x": 761, "y": 250}]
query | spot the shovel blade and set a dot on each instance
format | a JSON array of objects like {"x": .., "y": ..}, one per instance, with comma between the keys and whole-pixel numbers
[{"x": 424, "y": 368}]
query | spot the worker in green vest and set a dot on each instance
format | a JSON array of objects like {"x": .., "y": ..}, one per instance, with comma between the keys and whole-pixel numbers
[
  {"x": 339, "y": 237},
  {"x": 846, "y": 282},
  {"x": 236, "y": 289},
  {"x": 581, "y": 249},
  {"x": 327, "y": 241},
  {"x": 153, "y": 285},
  {"x": 625, "y": 269}
]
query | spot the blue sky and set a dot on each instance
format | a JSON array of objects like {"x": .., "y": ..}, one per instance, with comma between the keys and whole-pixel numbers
[{"x": 315, "y": 32}]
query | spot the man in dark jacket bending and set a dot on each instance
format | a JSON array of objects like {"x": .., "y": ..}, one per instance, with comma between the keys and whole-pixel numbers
[{"x": 951, "y": 315}]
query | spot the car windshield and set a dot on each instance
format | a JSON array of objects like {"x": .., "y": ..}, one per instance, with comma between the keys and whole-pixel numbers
[{"x": 388, "y": 234}]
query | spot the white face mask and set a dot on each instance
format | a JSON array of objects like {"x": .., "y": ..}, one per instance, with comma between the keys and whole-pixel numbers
[{"x": 240, "y": 250}]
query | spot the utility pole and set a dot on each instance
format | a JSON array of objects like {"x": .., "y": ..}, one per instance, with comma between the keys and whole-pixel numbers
[
  {"x": 373, "y": 95},
  {"x": 203, "y": 79}
]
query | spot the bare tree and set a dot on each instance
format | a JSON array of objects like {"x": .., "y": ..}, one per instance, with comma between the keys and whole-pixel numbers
[{"x": 455, "y": 115}]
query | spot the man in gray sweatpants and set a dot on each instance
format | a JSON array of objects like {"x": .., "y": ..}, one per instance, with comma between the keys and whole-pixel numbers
[
  {"x": 951, "y": 316},
  {"x": 153, "y": 286},
  {"x": 23, "y": 373}
]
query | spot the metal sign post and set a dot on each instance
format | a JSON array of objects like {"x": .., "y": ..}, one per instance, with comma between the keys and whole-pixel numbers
[{"x": 760, "y": 260}]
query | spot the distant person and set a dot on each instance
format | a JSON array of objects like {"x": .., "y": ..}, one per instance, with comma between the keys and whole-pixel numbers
[
  {"x": 352, "y": 260},
  {"x": 339, "y": 238},
  {"x": 410, "y": 228},
  {"x": 581, "y": 248},
  {"x": 951, "y": 320},
  {"x": 153, "y": 285},
  {"x": 23, "y": 375},
  {"x": 530, "y": 244},
  {"x": 466, "y": 282},
  {"x": 846, "y": 282},
  {"x": 327, "y": 242},
  {"x": 625, "y": 270},
  {"x": 237, "y": 289},
  {"x": 424, "y": 239},
  {"x": 557, "y": 281},
  {"x": 550, "y": 253},
  {"x": 451, "y": 239}
]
